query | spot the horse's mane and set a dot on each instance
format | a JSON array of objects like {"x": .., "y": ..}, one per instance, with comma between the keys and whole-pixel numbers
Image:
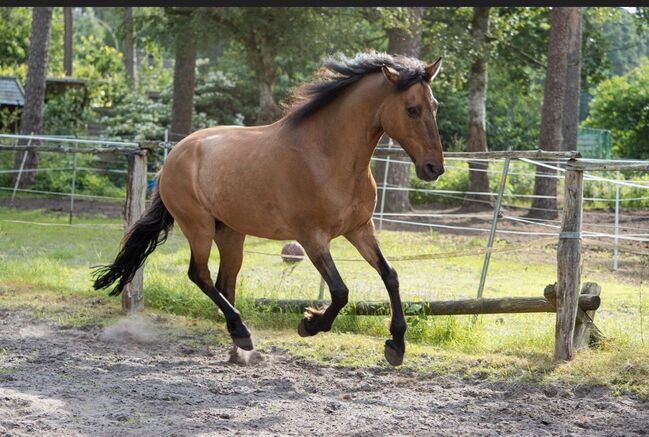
[{"x": 338, "y": 73}]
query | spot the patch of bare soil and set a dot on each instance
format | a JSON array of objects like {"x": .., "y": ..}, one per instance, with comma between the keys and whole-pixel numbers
[{"x": 118, "y": 380}]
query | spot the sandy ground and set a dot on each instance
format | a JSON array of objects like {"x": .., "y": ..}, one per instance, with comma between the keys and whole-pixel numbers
[{"x": 143, "y": 377}]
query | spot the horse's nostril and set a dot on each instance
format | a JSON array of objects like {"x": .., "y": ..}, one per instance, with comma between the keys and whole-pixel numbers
[{"x": 430, "y": 168}]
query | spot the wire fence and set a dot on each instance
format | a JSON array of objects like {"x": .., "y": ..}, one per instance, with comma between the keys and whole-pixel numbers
[{"x": 622, "y": 229}]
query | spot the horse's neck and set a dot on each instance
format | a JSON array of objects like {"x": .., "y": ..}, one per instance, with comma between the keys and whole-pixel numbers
[{"x": 348, "y": 129}]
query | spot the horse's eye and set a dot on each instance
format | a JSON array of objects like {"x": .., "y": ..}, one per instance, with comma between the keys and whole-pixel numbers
[{"x": 413, "y": 111}]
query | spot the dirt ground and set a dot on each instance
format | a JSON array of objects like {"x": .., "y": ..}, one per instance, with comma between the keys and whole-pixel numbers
[{"x": 141, "y": 377}]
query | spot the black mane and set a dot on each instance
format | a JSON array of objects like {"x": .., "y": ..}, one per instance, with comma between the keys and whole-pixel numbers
[{"x": 339, "y": 73}]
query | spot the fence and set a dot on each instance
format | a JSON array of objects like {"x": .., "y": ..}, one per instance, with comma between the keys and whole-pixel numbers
[{"x": 569, "y": 230}]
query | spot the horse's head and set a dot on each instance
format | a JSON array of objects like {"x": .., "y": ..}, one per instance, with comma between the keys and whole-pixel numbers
[{"x": 410, "y": 117}]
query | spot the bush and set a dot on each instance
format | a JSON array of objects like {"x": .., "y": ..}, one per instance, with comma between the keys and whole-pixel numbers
[
  {"x": 621, "y": 104},
  {"x": 86, "y": 182},
  {"x": 455, "y": 180}
]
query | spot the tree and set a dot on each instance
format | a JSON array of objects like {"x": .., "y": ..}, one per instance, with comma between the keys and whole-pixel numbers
[
  {"x": 281, "y": 45},
  {"x": 128, "y": 44},
  {"x": 402, "y": 40},
  {"x": 67, "y": 40},
  {"x": 545, "y": 183},
  {"x": 477, "y": 135},
  {"x": 31, "y": 120},
  {"x": 570, "y": 124},
  {"x": 14, "y": 35},
  {"x": 621, "y": 104},
  {"x": 184, "y": 75}
]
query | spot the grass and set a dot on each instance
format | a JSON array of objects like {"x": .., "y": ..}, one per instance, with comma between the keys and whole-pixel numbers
[{"x": 48, "y": 267}]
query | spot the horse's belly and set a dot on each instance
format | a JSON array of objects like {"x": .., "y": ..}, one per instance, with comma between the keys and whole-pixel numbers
[
  {"x": 290, "y": 218},
  {"x": 258, "y": 221}
]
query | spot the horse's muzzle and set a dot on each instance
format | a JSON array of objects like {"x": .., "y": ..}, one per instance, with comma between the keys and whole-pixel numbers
[{"x": 429, "y": 171}]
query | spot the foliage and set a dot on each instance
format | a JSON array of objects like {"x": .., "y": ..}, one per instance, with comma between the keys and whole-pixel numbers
[
  {"x": 86, "y": 182},
  {"x": 226, "y": 98},
  {"x": 102, "y": 66},
  {"x": 513, "y": 112},
  {"x": 452, "y": 181},
  {"x": 68, "y": 113},
  {"x": 15, "y": 31},
  {"x": 621, "y": 104},
  {"x": 137, "y": 118},
  {"x": 9, "y": 119}
]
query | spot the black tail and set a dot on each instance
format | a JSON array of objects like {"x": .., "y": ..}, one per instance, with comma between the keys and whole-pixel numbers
[{"x": 144, "y": 236}]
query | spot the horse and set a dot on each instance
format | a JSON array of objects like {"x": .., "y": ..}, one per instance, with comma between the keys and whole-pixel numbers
[{"x": 305, "y": 177}]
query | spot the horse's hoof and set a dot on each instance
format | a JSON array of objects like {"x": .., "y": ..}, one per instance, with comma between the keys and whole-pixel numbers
[
  {"x": 393, "y": 353},
  {"x": 303, "y": 330},
  {"x": 244, "y": 343}
]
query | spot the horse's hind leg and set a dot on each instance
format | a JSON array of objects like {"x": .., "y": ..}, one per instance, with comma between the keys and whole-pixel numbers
[
  {"x": 200, "y": 233},
  {"x": 230, "y": 244}
]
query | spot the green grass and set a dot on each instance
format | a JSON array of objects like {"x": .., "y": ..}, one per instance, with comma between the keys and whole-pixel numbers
[{"x": 50, "y": 265}]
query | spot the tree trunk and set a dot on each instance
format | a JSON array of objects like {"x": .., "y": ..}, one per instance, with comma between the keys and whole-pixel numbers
[
  {"x": 31, "y": 120},
  {"x": 545, "y": 184},
  {"x": 266, "y": 73},
  {"x": 129, "y": 46},
  {"x": 183, "y": 86},
  {"x": 400, "y": 42},
  {"x": 477, "y": 134},
  {"x": 67, "y": 40},
  {"x": 573, "y": 82}
]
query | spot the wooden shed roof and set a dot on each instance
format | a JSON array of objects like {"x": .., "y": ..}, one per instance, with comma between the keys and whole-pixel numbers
[{"x": 11, "y": 91}]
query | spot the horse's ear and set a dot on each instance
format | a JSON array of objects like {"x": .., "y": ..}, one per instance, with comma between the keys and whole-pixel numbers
[
  {"x": 390, "y": 73},
  {"x": 433, "y": 69}
]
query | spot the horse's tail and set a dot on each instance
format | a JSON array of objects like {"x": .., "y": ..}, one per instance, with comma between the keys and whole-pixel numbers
[{"x": 144, "y": 236}]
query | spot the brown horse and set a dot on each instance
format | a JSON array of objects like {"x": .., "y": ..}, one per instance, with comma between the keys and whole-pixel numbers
[{"x": 305, "y": 177}]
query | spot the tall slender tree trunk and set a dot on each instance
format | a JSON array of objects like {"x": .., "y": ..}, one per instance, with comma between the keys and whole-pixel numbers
[
  {"x": 31, "y": 120},
  {"x": 184, "y": 84},
  {"x": 129, "y": 46},
  {"x": 401, "y": 42},
  {"x": 263, "y": 61},
  {"x": 477, "y": 134},
  {"x": 67, "y": 40},
  {"x": 573, "y": 82},
  {"x": 550, "y": 138}
]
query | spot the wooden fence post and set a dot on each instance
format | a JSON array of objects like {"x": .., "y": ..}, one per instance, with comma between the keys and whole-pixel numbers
[
  {"x": 133, "y": 294},
  {"x": 569, "y": 264},
  {"x": 586, "y": 333}
]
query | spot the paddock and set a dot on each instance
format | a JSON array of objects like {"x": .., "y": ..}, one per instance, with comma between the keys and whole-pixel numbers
[
  {"x": 74, "y": 361},
  {"x": 564, "y": 303}
]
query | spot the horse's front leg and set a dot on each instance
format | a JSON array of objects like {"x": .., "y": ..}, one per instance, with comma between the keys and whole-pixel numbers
[
  {"x": 318, "y": 320},
  {"x": 364, "y": 239}
]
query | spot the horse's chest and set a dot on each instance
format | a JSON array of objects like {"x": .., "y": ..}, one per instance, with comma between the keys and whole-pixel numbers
[{"x": 347, "y": 209}]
